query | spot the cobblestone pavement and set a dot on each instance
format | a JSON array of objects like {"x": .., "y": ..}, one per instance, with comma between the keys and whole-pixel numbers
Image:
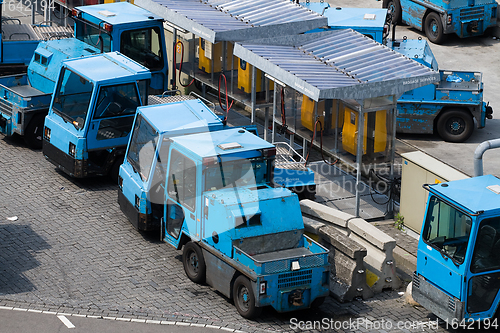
[{"x": 71, "y": 250}]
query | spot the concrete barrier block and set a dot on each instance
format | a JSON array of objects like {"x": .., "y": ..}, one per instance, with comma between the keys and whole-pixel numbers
[
  {"x": 341, "y": 242},
  {"x": 312, "y": 226},
  {"x": 372, "y": 234},
  {"x": 348, "y": 275},
  {"x": 380, "y": 265},
  {"x": 347, "y": 278},
  {"x": 326, "y": 213},
  {"x": 406, "y": 261}
]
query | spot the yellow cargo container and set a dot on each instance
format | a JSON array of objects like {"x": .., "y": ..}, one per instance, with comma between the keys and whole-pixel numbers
[
  {"x": 245, "y": 78},
  {"x": 350, "y": 131},
  {"x": 307, "y": 113},
  {"x": 207, "y": 51}
]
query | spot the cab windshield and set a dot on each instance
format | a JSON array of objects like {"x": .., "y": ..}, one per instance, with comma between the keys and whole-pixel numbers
[
  {"x": 72, "y": 97},
  {"x": 92, "y": 35},
  {"x": 144, "y": 46},
  {"x": 447, "y": 229},
  {"x": 230, "y": 172},
  {"x": 142, "y": 147}
]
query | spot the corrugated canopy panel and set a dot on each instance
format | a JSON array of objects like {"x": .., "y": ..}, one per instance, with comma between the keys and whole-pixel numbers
[
  {"x": 340, "y": 64},
  {"x": 236, "y": 20}
]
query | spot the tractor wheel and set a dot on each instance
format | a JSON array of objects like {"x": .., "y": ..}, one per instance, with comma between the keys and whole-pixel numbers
[
  {"x": 33, "y": 134},
  {"x": 395, "y": 8},
  {"x": 115, "y": 169},
  {"x": 244, "y": 299},
  {"x": 194, "y": 264},
  {"x": 455, "y": 125},
  {"x": 434, "y": 28}
]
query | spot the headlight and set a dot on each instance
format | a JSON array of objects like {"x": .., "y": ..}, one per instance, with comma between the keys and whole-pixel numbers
[
  {"x": 263, "y": 288},
  {"x": 47, "y": 133},
  {"x": 72, "y": 149}
]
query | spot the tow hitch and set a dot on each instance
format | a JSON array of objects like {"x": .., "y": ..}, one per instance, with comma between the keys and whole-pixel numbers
[{"x": 295, "y": 298}]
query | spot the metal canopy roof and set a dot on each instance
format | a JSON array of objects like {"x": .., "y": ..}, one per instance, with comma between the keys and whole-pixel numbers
[
  {"x": 340, "y": 64},
  {"x": 236, "y": 20}
]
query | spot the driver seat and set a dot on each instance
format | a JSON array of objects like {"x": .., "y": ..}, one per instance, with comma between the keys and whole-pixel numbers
[{"x": 484, "y": 246}]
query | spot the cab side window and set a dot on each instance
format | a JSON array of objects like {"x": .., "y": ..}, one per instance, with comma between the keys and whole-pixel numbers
[
  {"x": 182, "y": 180},
  {"x": 487, "y": 249},
  {"x": 116, "y": 106}
]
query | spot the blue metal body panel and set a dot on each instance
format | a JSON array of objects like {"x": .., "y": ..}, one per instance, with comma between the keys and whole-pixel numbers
[
  {"x": 33, "y": 98},
  {"x": 101, "y": 70},
  {"x": 368, "y": 21},
  {"x": 202, "y": 144},
  {"x": 121, "y": 13},
  {"x": 418, "y": 108},
  {"x": 462, "y": 12},
  {"x": 471, "y": 194},
  {"x": 253, "y": 249},
  {"x": 416, "y": 49},
  {"x": 63, "y": 133},
  {"x": 168, "y": 120},
  {"x": 178, "y": 118},
  {"x": 28, "y": 94},
  {"x": 124, "y": 16},
  {"x": 278, "y": 207},
  {"x": 43, "y": 77},
  {"x": 17, "y": 52},
  {"x": 446, "y": 278},
  {"x": 111, "y": 67},
  {"x": 293, "y": 178}
]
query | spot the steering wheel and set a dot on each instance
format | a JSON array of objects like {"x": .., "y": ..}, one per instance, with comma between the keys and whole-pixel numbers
[{"x": 113, "y": 108}]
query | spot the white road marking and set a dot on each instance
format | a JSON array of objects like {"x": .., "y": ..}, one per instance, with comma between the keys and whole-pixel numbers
[{"x": 66, "y": 321}]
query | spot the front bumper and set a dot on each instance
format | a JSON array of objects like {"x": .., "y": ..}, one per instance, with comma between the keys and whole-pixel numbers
[
  {"x": 68, "y": 164},
  {"x": 444, "y": 306},
  {"x": 139, "y": 220}
]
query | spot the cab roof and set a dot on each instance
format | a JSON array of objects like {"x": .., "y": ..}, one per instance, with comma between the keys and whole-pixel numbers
[
  {"x": 472, "y": 194},
  {"x": 356, "y": 17},
  {"x": 107, "y": 67},
  {"x": 228, "y": 141},
  {"x": 180, "y": 116},
  {"x": 116, "y": 13},
  {"x": 339, "y": 17}
]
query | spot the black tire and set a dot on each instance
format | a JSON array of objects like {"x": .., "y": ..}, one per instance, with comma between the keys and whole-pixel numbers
[
  {"x": 489, "y": 112},
  {"x": 244, "y": 298},
  {"x": 194, "y": 263},
  {"x": 318, "y": 302},
  {"x": 395, "y": 8},
  {"x": 455, "y": 125},
  {"x": 434, "y": 28},
  {"x": 33, "y": 134},
  {"x": 115, "y": 170}
]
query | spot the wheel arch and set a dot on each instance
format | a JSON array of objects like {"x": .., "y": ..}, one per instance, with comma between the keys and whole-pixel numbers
[
  {"x": 183, "y": 241},
  {"x": 444, "y": 109},
  {"x": 231, "y": 283}
]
